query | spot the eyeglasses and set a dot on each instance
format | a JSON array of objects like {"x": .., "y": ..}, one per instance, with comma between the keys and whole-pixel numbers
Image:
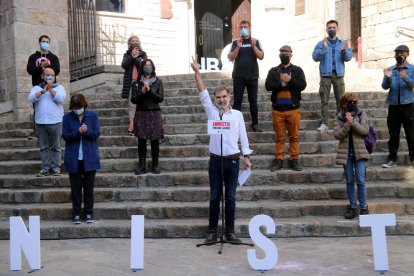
[{"x": 354, "y": 102}]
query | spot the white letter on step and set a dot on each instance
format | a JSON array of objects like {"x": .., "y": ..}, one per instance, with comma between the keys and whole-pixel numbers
[
  {"x": 137, "y": 242},
  {"x": 269, "y": 248},
  {"x": 379, "y": 241},
  {"x": 29, "y": 242}
]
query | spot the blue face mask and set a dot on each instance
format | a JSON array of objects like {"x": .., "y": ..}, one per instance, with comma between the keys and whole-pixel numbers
[
  {"x": 332, "y": 33},
  {"x": 78, "y": 112},
  {"x": 147, "y": 69},
  {"x": 244, "y": 32},
  {"x": 44, "y": 46},
  {"x": 49, "y": 78}
]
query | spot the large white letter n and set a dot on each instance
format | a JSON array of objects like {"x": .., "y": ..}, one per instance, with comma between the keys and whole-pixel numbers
[{"x": 29, "y": 242}]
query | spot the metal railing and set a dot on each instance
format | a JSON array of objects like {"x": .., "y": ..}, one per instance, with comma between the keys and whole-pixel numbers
[{"x": 82, "y": 38}]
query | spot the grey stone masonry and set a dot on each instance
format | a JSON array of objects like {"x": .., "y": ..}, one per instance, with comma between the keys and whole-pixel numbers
[
  {"x": 175, "y": 203},
  {"x": 22, "y": 23}
]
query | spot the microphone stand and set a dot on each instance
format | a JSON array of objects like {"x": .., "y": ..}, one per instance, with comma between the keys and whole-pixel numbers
[{"x": 222, "y": 240}]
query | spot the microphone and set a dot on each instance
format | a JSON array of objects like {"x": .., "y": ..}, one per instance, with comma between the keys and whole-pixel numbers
[{"x": 221, "y": 112}]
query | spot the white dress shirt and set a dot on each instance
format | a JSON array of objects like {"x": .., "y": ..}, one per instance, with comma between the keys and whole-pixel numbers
[
  {"x": 230, "y": 141},
  {"x": 48, "y": 109}
]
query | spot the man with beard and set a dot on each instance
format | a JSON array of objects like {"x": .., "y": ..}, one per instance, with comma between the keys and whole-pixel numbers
[
  {"x": 399, "y": 79},
  {"x": 286, "y": 81},
  {"x": 231, "y": 155}
]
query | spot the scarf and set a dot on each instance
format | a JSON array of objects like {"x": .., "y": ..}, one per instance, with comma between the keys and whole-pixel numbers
[{"x": 150, "y": 81}]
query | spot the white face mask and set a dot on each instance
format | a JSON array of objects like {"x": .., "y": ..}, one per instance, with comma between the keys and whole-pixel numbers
[{"x": 78, "y": 111}]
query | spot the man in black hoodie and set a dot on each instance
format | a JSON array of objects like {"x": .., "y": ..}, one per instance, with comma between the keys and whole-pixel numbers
[{"x": 40, "y": 60}]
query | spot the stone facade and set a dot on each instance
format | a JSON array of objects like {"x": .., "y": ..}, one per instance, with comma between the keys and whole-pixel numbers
[{"x": 22, "y": 23}]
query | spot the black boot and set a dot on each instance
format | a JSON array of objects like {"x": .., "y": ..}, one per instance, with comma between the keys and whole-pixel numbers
[
  {"x": 142, "y": 154},
  {"x": 155, "y": 152},
  {"x": 350, "y": 212}
]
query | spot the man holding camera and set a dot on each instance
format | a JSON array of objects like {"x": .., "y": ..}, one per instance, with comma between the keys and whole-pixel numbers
[{"x": 38, "y": 62}]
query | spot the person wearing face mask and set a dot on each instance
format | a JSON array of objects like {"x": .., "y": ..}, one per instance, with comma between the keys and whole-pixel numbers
[
  {"x": 244, "y": 52},
  {"x": 38, "y": 61},
  {"x": 351, "y": 125},
  {"x": 286, "y": 82},
  {"x": 331, "y": 53},
  {"x": 130, "y": 63},
  {"x": 399, "y": 79},
  {"x": 81, "y": 132},
  {"x": 147, "y": 94},
  {"x": 48, "y": 98},
  {"x": 231, "y": 156}
]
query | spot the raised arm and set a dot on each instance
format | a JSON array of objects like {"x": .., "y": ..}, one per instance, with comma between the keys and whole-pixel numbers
[{"x": 197, "y": 75}]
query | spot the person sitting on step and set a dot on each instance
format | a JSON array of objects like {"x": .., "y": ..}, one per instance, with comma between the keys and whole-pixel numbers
[{"x": 351, "y": 125}]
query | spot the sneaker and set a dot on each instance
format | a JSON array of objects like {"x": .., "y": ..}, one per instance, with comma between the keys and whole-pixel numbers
[
  {"x": 256, "y": 128},
  {"x": 294, "y": 164},
  {"x": 276, "y": 165},
  {"x": 211, "y": 237},
  {"x": 89, "y": 218},
  {"x": 43, "y": 173},
  {"x": 231, "y": 237},
  {"x": 350, "y": 213},
  {"x": 76, "y": 219},
  {"x": 323, "y": 127},
  {"x": 56, "y": 172},
  {"x": 389, "y": 164},
  {"x": 363, "y": 212}
]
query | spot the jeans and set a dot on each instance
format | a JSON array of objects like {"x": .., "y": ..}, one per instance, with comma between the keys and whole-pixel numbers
[
  {"x": 359, "y": 167},
  {"x": 231, "y": 173},
  {"x": 49, "y": 137},
  {"x": 400, "y": 115},
  {"x": 238, "y": 90},
  {"x": 286, "y": 120},
  {"x": 79, "y": 180},
  {"x": 324, "y": 91}
]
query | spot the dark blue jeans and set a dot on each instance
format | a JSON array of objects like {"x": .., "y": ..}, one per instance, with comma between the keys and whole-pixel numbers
[
  {"x": 238, "y": 90},
  {"x": 400, "y": 115},
  {"x": 359, "y": 177},
  {"x": 78, "y": 181},
  {"x": 231, "y": 173}
]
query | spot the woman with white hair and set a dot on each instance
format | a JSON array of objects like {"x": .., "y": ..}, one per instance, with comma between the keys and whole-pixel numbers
[{"x": 130, "y": 63}]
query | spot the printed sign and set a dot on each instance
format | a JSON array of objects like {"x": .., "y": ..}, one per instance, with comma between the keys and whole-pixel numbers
[{"x": 220, "y": 127}]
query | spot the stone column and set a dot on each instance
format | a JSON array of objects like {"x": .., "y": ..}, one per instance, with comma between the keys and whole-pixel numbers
[{"x": 22, "y": 23}]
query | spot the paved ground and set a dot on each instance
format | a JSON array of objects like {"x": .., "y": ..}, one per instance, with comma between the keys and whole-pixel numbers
[{"x": 298, "y": 256}]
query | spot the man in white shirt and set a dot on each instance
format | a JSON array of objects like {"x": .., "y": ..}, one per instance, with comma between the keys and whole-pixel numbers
[
  {"x": 48, "y": 98},
  {"x": 231, "y": 153}
]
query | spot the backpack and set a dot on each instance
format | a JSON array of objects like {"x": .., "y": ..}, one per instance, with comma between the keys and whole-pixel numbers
[{"x": 370, "y": 139}]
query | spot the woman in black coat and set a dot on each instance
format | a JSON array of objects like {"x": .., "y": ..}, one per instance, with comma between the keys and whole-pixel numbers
[
  {"x": 147, "y": 94},
  {"x": 131, "y": 62}
]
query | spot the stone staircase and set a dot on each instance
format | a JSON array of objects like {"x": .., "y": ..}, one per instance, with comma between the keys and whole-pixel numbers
[{"x": 175, "y": 203}]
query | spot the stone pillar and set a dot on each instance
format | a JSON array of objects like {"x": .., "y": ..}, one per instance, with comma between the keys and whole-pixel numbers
[{"x": 22, "y": 23}]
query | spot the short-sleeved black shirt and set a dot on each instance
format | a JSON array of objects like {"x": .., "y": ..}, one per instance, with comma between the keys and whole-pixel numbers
[{"x": 245, "y": 64}]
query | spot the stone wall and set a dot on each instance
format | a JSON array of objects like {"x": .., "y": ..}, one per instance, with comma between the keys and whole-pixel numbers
[
  {"x": 382, "y": 22},
  {"x": 22, "y": 23}
]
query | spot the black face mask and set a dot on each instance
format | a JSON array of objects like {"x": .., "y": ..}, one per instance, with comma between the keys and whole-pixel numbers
[
  {"x": 400, "y": 59},
  {"x": 351, "y": 106},
  {"x": 284, "y": 59}
]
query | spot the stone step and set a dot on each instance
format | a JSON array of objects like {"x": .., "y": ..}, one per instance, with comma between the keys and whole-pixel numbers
[
  {"x": 307, "y": 226},
  {"x": 172, "y": 164},
  {"x": 179, "y": 210},
  {"x": 110, "y": 152},
  {"x": 402, "y": 174},
  {"x": 192, "y": 194}
]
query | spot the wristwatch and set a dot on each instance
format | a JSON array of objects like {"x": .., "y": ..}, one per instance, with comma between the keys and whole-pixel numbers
[{"x": 247, "y": 156}]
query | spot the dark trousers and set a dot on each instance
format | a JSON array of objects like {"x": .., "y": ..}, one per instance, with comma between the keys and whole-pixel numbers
[
  {"x": 231, "y": 173},
  {"x": 78, "y": 181},
  {"x": 400, "y": 115},
  {"x": 238, "y": 89},
  {"x": 142, "y": 149}
]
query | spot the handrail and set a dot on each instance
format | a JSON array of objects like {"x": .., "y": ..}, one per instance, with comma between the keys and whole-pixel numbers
[{"x": 401, "y": 31}]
